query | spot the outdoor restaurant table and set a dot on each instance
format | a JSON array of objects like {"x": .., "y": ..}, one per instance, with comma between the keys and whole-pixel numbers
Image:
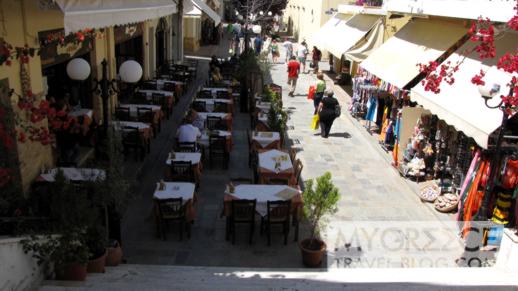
[
  {"x": 172, "y": 190},
  {"x": 262, "y": 122},
  {"x": 167, "y": 94},
  {"x": 179, "y": 85},
  {"x": 266, "y": 139},
  {"x": 266, "y": 166},
  {"x": 214, "y": 90},
  {"x": 226, "y": 117},
  {"x": 194, "y": 158},
  {"x": 144, "y": 129},
  {"x": 87, "y": 117},
  {"x": 73, "y": 174},
  {"x": 209, "y": 103},
  {"x": 157, "y": 111},
  {"x": 263, "y": 194},
  {"x": 204, "y": 139},
  {"x": 263, "y": 106}
]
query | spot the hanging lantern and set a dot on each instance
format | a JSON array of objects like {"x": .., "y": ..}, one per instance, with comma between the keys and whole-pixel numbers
[
  {"x": 78, "y": 69},
  {"x": 256, "y": 29},
  {"x": 130, "y": 71}
]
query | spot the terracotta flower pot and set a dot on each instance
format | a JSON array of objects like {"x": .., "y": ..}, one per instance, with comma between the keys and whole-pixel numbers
[
  {"x": 97, "y": 265},
  {"x": 312, "y": 257},
  {"x": 71, "y": 272},
  {"x": 114, "y": 256}
]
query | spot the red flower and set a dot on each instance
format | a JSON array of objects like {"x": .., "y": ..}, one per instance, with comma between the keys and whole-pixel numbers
[
  {"x": 477, "y": 79},
  {"x": 21, "y": 137}
]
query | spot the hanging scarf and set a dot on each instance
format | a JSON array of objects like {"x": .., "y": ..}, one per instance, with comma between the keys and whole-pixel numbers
[
  {"x": 468, "y": 180},
  {"x": 474, "y": 198}
]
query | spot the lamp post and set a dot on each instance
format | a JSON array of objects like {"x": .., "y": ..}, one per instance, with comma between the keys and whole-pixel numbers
[
  {"x": 130, "y": 72},
  {"x": 488, "y": 94}
]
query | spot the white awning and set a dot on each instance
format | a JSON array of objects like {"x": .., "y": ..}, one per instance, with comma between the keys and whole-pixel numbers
[
  {"x": 191, "y": 7},
  {"x": 371, "y": 42},
  {"x": 82, "y": 14},
  {"x": 346, "y": 34},
  {"x": 419, "y": 41},
  {"x": 319, "y": 39},
  {"x": 460, "y": 104}
]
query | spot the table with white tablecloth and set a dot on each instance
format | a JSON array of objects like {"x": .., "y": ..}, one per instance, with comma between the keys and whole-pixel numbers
[
  {"x": 73, "y": 174},
  {"x": 173, "y": 190},
  {"x": 275, "y": 164},
  {"x": 265, "y": 139}
]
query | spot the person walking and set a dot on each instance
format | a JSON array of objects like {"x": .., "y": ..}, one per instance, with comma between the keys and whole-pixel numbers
[
  {"x": 293, "y": 74},
  {"x": 288, "y": 45},
  {"x": 317, "y": 56},
  {"x": 302, "y": 52},
  {"x": 320, "y": 88},
  {"x": 327, "y": 113},
  {"x": 274, "y": 47},
  {"x": 258, "y": 44}
]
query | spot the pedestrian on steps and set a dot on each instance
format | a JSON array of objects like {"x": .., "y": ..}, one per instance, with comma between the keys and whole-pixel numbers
[
  {"x": 327, "y": 113},
  {"x": 293, "y": 74},
  {"x": 320, "y": 88},
  {"x": 317, "y": 56}
]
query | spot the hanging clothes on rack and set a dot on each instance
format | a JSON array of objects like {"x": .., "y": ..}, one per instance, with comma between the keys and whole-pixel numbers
[{"x": 371, "y": 109}]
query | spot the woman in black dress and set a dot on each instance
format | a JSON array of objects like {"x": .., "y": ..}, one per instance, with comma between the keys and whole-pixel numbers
[{"x": 327, "y": 113}]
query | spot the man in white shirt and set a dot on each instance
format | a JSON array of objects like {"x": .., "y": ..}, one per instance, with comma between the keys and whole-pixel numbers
[
  {"x": 187, "y": 132},
  {"x": 289, "y": 49},
  {"x": 302, "y": 53}
]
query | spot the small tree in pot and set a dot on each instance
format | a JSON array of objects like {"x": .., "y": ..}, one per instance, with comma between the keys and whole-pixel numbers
[{"x": 318, "y": 202}]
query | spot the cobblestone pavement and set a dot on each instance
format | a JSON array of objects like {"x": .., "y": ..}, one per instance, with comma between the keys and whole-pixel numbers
[{"x": 372, "y": 191}]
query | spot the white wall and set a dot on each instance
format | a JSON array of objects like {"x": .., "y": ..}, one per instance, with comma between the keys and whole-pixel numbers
[
  {"x": 496, "y": 10},
  {"x": 18, "y": 271}
]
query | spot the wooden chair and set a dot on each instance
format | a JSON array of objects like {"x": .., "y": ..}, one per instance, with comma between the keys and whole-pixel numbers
[
  {"x": 131, "y": 139},
  {"x": 223, "y": 95},
  {"x": 241, "y": 180},
  {"x": 243, "y": 212},
  {"x": 149, "y": 85},
  {"x": 298, "y": 166},
  {"x": 278, "y": 213},
  {"x": 205, "y": 94},
  {"x": 172, "y": 210},
  {"x": 199, "y": 106},
  {"x": 181, "y": 171},
  {"x": 187, "y": 147},
  {"x": 220, "y": 107},
  {"x": 293, "y": 154},
  {"x": 140, "y": 98},
  {"x": 122, "y": 113},
  {"x": 277, "y": 181},
  {"x": 213, "y": 122},
  {"x": 145, "y": 115},
  {"x": 218, "y": 150}
]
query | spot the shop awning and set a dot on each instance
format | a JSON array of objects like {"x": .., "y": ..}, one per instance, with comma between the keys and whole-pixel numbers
[
  {"x": 368, "y": 44},
  {"x": 460, "y": 104},
  {"x": 419, "y": 41},
  {"x": 192, "y": 7},
  {"x": 82, "y": 14},
  {"x": 346, "y": 34},
  {"x": 325, "y": 32}
]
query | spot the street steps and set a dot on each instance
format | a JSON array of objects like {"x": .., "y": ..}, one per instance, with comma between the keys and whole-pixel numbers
[{"x": 166, "y": 277}]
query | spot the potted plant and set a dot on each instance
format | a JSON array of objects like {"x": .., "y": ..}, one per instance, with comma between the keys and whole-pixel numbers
[
  {"x": 319, "y": 201},
  {"x": 66, "y": 252},
  {"x": 96, "y": 242}
]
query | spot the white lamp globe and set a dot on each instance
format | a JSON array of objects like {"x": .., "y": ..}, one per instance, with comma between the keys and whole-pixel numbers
[
  {"x": 78, "y": 69},
  {"x": 130, "y": 71},
  {"x": 256, "y": 29},
  {"x": 269, "y": 13},
  {"x": 261, "y": 12}
]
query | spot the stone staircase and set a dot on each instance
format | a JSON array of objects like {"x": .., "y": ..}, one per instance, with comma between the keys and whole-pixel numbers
[{"x": 162, "y": 277}]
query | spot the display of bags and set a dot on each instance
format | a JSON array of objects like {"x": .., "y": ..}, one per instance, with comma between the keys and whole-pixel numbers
[
  {"x": 316, "y": 122},
  {"x": 311, "y": 93}
]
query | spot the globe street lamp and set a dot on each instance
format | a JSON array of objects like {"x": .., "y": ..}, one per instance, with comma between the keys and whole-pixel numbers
[{"x": 130, "y": 72}]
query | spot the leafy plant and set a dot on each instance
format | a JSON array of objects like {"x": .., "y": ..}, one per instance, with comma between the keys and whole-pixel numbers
[
  {"x": 62, "y": 249},
  {"x": 319, "y": 202},
  {"x": 96, "y": 240}
]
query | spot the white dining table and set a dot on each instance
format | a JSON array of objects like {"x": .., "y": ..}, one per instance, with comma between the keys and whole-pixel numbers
[
  {"x": 133, "y": 108},
  {"x": 264, "y": 138},
  {"x": 267, "y": 160},
  {"x": 137, "y": 124},
  {"x": 194, "y": 158},
  {"x": 81, "y": 112},
  {"x": 173, "y": 190},
  {"x": 149, "y": 93},
  {"x": 204, "y": 115},
  {"x": 205, "y": 136},
  {"x": 263, "y": 193},
  {"x": 209, "y": 103},
  {"x": 263, "y": 106},
  {"x": 74, "y": 174}
]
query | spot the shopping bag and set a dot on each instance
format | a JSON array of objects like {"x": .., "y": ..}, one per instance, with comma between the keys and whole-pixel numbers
[
  {"x": 311, "y": 93},
  {"x": 316, "y": 122}
]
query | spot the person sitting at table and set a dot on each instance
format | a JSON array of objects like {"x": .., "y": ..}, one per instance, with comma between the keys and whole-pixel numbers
[
  {"x": 187, "y": 132},
  {"x": 196, "y": 120},
  {"x": 214, "y": 62},
  {"x": 216, "y": 75}
]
